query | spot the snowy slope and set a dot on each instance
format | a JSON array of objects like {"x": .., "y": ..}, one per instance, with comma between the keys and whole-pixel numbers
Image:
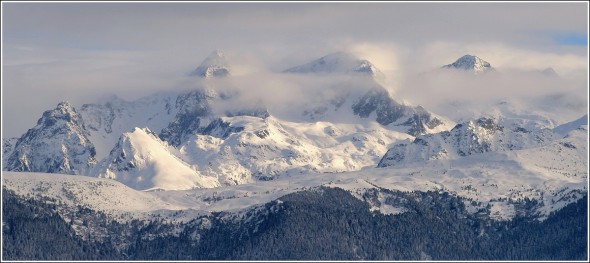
[
  {"x": 470, "y": 63},
  {"x": 142, "y": 161},
  {"x": 547, "y": 111},
  {"x": 566, "y": 128},
  {"x": 59, "y": 143},
  {"x": 554, "y": 174},
  {"x": 369, "y": 102},
  {"x": 241, "y": 149},
  {"x": 473, "y": 137},
  {"x": 174, "y": 115},
  {"x": 364, "y": 96},
  {"x": 107, "y": 120},
  {"x": 96, "y": 193},
  {"x": 7, "y": 147},
  {"x": 195, "y": 111},
  {"x": 209, "y": 144},
  {"x": 184, "y": 116},
  {"x": 211, "y": 158}
]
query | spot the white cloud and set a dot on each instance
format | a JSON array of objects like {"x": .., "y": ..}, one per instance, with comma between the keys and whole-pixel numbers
[
  {"x": 77, "y": 51},
  {"x": 500, "y": 56}
]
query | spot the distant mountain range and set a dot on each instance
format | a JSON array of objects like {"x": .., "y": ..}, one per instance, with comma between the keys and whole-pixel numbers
[
  {"x": 180, "y": 175},
  {"x": 106, "y": 134}
]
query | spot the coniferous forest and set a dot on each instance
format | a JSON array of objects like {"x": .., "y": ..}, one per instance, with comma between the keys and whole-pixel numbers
[{"x": 322, "y": 224}]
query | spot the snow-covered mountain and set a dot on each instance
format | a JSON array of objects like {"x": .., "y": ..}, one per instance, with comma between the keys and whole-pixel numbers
[
  {"x": 170, "y": 163},
  {"x": 496, "y": 180},
  {"x": 339, "y": 62},
  {"x": 470, "y": 63},
  {"x": 59, "y": 143},
  {"x": 387, "y": 111},
  {"x": 473, "y": 137},
  {"x": 368, "y": 99},
  {"x": 214, "y": 66},
  {"x": 566, "y": 128},
  {"x": 202, "y": 144},
  {"x": 195, "y": 111},
  {"x": 108, "y": 119},
  {"x": 242, "y": 149},
  {"x": 186, "y": 141},
  {"x": 7, "y": 147},
  {"x": 193, "y": 114},
  {"x": 142, "y": 161},
  {"x": 375, "y": 104}
]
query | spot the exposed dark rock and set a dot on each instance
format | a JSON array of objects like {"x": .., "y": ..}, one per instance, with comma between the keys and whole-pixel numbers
[{"x": 57, "y": 144}]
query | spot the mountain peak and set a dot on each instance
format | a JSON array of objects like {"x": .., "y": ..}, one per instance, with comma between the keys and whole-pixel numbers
[
  {"x": 216, "y": 53},
  {"x": 64, "y": 104},
  {"x": 214, "y": 66},
  {"x": 471, "y": 63},
  {"x": 65, "y": 107},
  {"x": 59, "y": 143},
  {"x": 142, "y": 161},
  {"x": 549, "y": 72},
  {"x": 64, "y": 111},
  {"x": 338, "y": 62}
]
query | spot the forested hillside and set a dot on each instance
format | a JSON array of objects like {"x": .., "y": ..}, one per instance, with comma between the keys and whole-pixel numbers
[{"x": 325, "y": 223}]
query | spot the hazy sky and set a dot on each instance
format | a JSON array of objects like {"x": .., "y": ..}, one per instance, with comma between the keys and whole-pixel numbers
[{"x": 78, "y": 51}]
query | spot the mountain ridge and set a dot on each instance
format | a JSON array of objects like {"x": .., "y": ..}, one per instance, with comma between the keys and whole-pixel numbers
[
  {"x": 470, "y": 63},
  {"x": 215, "y": 65},
  {"x": 59, "y": 143},
  {"x": 338, "y": 62},
  {"x": 183, "y": 118},
  {"x": 215, "y": 147}
]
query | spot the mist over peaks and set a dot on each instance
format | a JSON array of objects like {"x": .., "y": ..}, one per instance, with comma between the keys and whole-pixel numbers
[
  {"x": 339, "y": 62},
  {"x": 471, "y": 63},
  {"x": 215, "y": 65}
]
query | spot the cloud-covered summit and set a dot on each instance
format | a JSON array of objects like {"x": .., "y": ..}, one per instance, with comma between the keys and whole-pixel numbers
[
  {"x": 471, "y": 63},
  {"x": 133, "y": 49},
  {"x": 338, "y": 62},
  {"x": 214, "y": 66}
]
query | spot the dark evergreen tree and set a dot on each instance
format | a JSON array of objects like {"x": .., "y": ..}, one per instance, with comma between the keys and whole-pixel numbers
[
  {"x": 321, "y": 224},
  {"x": 32, "y": 230}
]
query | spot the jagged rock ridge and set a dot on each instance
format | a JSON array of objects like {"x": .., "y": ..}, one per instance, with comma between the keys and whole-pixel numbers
[
  {"x": 472, "y": 137},
  {"x": 57, "y": 144}
]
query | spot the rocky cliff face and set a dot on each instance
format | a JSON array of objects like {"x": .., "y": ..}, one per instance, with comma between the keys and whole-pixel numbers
[
  {"x": 193, "y": 112},
  {"x": 209, "y": 132},
  {"x": 375, "y": 102},
  {"x": 472, "y": 137},
  {"x": 57, "y": 144},
  {"x": 388, "y": 111}
]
